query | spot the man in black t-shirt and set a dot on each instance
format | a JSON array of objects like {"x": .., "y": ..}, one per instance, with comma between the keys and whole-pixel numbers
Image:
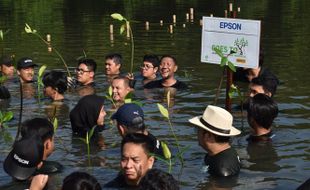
[
  {"x": 214, "y": 132},
  {"x": 130, "y": 119},
  {"x": 168, "y": 66}
]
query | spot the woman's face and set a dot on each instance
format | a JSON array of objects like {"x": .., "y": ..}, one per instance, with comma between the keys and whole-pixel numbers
[{"x": 102, "y": 114}]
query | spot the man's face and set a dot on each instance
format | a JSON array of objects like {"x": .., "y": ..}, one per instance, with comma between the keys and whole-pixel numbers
[
  {"x": 26, "y": 74},
  {"x": 119, "y": 89},
  {"x": 112, "y": 68},
  {"x": 7, "y": 70},
  {"x": 167, "y": 68},
  {"x": 84, "y": 75},
  {"x": 135, "y": 163},
  {"x": 257, "y": 89},
  {"x": 148, "y": 70},
  {"x": 201, "y": 137},
  {"x": 102, "y": 114}
]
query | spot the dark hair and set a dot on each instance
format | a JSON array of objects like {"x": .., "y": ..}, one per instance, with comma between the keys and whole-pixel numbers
[
  {"x": 90, "y": 63},
  {"x": 80, "y": 181},
  {"x": 125, "y": 79},
  {"x": 136, "y": 126},
  {"x": 263, "y": 110},
  {"x": 116, "y": 57},
  {"x": 169, "y": 56},
  {"x": 57, "y": 80},
  {"x": 140, "y": 139},
  {"x": 156, "y": 179},
  {"x": 268, "y": 81},
  {"x": 38, "y": 126},
  {"x": 152, "y": 59}
]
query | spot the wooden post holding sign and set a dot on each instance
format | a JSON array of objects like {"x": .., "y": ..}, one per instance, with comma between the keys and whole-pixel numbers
[{"x": 226, "y": 34}]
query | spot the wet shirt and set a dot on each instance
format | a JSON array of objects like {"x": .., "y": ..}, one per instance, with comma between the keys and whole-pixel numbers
[
  {"x": 225, "y": 163},
  {"x": 158, "y": 84},
  {"x": 49, "y": 167},
  {"x": 120, "y": 183},
  {"x": 261, "y": 138}
]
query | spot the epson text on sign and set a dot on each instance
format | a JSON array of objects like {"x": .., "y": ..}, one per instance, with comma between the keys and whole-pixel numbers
[{"x": 238, "y": 35}]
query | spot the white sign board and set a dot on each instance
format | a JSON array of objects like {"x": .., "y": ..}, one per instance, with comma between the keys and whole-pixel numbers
[{"x": 238, "y": 35}]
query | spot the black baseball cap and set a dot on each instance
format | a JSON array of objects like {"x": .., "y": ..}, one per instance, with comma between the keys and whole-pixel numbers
[
  {"x": 6, "y": 60},
  {"x": 25, "y": 62},
  {"x": 23, "y": 160},
  {"x": 129, "y": 115}
]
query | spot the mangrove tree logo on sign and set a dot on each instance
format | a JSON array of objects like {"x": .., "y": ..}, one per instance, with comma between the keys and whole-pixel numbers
[{"x": 231, "y": 35}]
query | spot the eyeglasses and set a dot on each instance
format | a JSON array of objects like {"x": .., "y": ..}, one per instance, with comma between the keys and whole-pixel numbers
[
  {"x": 78, "y": 70},
  {"x": 146, "y": 67}
]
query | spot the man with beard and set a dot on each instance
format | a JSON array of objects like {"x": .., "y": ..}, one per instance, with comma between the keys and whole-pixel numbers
[
  {"x": 25, "y": 70},
  {"x": 168, "y": 66}
]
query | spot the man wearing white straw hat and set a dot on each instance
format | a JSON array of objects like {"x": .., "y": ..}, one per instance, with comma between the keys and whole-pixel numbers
[{"x": 214, "y": 132}]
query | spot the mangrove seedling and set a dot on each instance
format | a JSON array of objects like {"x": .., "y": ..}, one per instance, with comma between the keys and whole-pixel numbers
[
  {"x": 126, "y": 23},
  {"x": 29, "y": 30},
  {"x": 224, "y": 63},
  {"x": 4, "y": 118},
  {"x": 87, "y": 139},
  {"x": 40, "y": 82},
  {"x": 164, "y": 112},
  {"x": 109, "y": 95},
  {"x": 234, "y": 91}
]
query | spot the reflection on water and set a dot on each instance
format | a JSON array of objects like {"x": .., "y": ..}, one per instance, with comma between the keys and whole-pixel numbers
[{"x": 80, "y": 25}]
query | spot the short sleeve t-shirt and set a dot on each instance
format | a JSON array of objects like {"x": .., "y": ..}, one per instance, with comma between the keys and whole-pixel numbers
[
  {"x": 158, "y": 84},
  {"x": 225, "y": 163}
]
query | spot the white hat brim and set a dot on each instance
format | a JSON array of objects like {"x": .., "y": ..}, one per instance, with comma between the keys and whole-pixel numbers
[{"x": 196, "y": 121}]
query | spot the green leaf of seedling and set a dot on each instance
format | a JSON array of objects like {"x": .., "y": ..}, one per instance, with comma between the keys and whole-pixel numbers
[
  {"x": 3, "y": 79},
  {"x": 82, "y": 139},
  {"x": 87, "y": 138},
  {"x": 232, "y": 91},
  {"x": 28, "y": 28},
  {"x": 128, "y": 97},
  {"x": 137, "y": 102},
  {"x": 117, "y": 16},
  {"x": 127, "y": 101},
  {"x": 1, "y": 116},
  {"x": 55, "y": 124},
  {"x": 1, "y": 34},
  {"x": 7, "y": 116},
  {"x": 41, "y": 70},
  {"x": 110, "y": 91},
  {"x": 163, "y": 110},
  {"x": 91, "y": 132},
  {"x": 223, "y": 61},
  {"x": 166, "y": 150},
  {"x": 218, "y": 52},
  {"x": 231, "y": 66},
  {"x": 7, "y": 137},
  {"x": 168, "y": 98},
  {"x": 122, "y": 29}
]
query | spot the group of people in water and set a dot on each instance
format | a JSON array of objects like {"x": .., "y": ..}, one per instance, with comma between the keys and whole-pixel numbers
[{"x": 28, "y": 158}]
